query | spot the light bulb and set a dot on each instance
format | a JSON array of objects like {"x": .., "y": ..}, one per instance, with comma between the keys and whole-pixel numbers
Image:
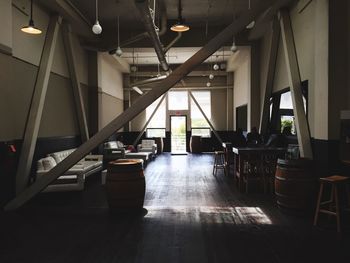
[
  {"x": 216, "y": 67},
  {"x": 119, "y": 52},
  {"x": 211, "y": 76},
  {"x": 96, "y": 28},
  {"x": 234, "y": 48},
  {"x": 133, "y": 68},
  {"x": 251, "y": 25},
  {"x": 208, "y": 84}
]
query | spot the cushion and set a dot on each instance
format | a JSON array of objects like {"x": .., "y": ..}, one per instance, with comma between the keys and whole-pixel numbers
[
  {"x": 39, "y": 165},
  {"x": 48, "y": 163},
  {"x": 120, "y": 144},
  {"x": 147, "y": 143},
  {"x": 111, "y": 145},
  {"x": 59, "y": 156}
]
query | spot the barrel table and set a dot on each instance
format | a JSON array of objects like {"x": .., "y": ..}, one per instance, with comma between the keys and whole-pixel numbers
[
  {"x": 296, "y": 186},
  {"x": 125, "y": 185}
]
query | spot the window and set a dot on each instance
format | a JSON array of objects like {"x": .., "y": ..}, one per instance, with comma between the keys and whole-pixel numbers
[
  {"x": 178, "y": 100},
  {"x": 155, "y": 133},
  {"x": 204, "y": 101},
  {"x": 203, "y": 132},
  {"x": 281, "y": 109},
  {"x": 199, "y": 124},
  {"x": 158, "y": 120}
]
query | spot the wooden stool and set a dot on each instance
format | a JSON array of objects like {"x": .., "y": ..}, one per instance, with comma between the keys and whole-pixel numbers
[
  {"x": 219, "y": 162},
  {"x": 334, "y": 180}
]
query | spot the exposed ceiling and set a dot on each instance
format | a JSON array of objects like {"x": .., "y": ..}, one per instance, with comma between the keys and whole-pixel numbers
[
  {"x": 205, "y": 17},
  {"x": 176, "y": 55}
]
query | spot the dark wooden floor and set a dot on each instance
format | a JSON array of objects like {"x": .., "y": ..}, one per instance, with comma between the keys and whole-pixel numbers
[{"x": 192, "y": 217}]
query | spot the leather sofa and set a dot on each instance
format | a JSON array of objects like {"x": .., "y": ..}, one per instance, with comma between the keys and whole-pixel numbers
[
  {"x": 114, "y": 150},
  {"x": 74, "y": 178}
]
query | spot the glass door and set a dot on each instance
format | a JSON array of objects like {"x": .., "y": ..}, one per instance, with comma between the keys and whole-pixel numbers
[{"x": 178, "y": 134}]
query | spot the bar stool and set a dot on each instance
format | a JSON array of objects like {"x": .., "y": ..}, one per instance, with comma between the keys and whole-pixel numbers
[
  {"x": 335, "y": 181},
  {"x": 219, "y": 162}
]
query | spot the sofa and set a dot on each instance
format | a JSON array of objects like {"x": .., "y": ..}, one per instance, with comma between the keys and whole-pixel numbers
[
  {"x": 114, "y": 150},
  {"x": 74, "y": 178}
]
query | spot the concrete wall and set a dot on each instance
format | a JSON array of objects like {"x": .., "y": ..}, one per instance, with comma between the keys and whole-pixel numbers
[
  {"x": 110, "y": 83},
  {"x": 18, "y": 75}
]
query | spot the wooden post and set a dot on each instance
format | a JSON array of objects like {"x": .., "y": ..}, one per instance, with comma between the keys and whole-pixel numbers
[
  {"x": 265, "y": 111},
  {"x": 142, "y": 103},
  {"x": 206, "y": 118},
  {"x": 37, "y": 104},
  {"x": 78, "y": 98},
  {"x": 301, "y": 123},
  {"x": 148, "y": 121}
]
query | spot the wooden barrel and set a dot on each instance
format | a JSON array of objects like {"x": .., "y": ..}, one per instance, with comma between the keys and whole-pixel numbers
[
  {"x": 125, "y": 185},
  {"x": 296, "y": 186},
  {"x": 196, "y": 144},
  {"x": 160, "y": 144}
]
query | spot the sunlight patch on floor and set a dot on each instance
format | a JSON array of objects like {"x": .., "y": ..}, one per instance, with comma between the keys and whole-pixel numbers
[{"x": 213, "y": 214}]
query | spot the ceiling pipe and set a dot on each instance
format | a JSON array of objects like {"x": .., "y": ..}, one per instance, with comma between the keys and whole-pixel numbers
[
  {"x": 148, "y": 81},
  {"x": 146, "y": 18},
  {"x": 177, "y": 38},
  {"x": 139, "y": 37}
]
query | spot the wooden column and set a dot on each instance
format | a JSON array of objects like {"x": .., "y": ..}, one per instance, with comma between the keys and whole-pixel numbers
[
  {"x": 142, "y": 103},
  {"x": 148, "y": 121},
  {"x": 265, "y": 111},
  {"x": 301, "y": 123},
  {"x": 72, "y": 66},
  {"x": 206, "y": 118},
  {"x": 37, "y": 104}
]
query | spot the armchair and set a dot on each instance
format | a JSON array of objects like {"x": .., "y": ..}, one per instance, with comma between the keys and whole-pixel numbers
[{"x": 147, "y": 146}]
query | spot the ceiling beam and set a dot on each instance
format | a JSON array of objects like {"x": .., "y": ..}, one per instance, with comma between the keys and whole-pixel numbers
[{"x": 142, "y": 103}]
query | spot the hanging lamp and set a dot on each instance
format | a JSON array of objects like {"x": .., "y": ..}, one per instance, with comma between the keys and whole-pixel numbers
[
  {"x": 180, "y": 25},
  {"x": 96, "y": 28},
  {"x": 30, "y": 28},
  {"x": 119, "y": 51}
]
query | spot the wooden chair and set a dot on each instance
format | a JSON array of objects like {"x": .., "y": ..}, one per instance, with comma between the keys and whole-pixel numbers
[
  {"x": 333, "y": 202},
  {"x": 219, "y": 162},
  {"x": 252, "y": 170},
  {"x": 268, "y": 169}
]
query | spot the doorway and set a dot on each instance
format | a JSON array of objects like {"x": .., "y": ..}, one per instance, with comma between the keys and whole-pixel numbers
[{"x": 178, "y": 129}]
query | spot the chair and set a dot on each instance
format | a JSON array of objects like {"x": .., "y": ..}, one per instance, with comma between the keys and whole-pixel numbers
[
  {"x": 148, "y": 146},
  {"x": 333, "y": 202},
  {"x": 219, "y": 162},
  {"x": 252, "y": 170}
]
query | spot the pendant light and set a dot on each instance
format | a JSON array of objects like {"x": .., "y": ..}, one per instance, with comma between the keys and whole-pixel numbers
[
  {"x": 119, "y": 51},
  {"x": 234, "y": 47},
  {"x": 30, "y": 28},
  {"x": 251, "y": 24},
  {"x": 96, "y": 28},
  {"x": 180, "y": 25}
]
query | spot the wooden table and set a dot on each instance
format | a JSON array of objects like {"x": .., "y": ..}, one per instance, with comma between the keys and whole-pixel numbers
[{"x": 254, "y": 163}]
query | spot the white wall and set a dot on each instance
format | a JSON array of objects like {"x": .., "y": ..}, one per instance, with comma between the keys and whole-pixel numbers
[
  {"x": 110, "y": 83},
  {"x": 240, "y": 64},
  {"x": 310, "y": 29},
  {"x": 6, "y": 24},
  {"x": 29, "y": 48}
]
